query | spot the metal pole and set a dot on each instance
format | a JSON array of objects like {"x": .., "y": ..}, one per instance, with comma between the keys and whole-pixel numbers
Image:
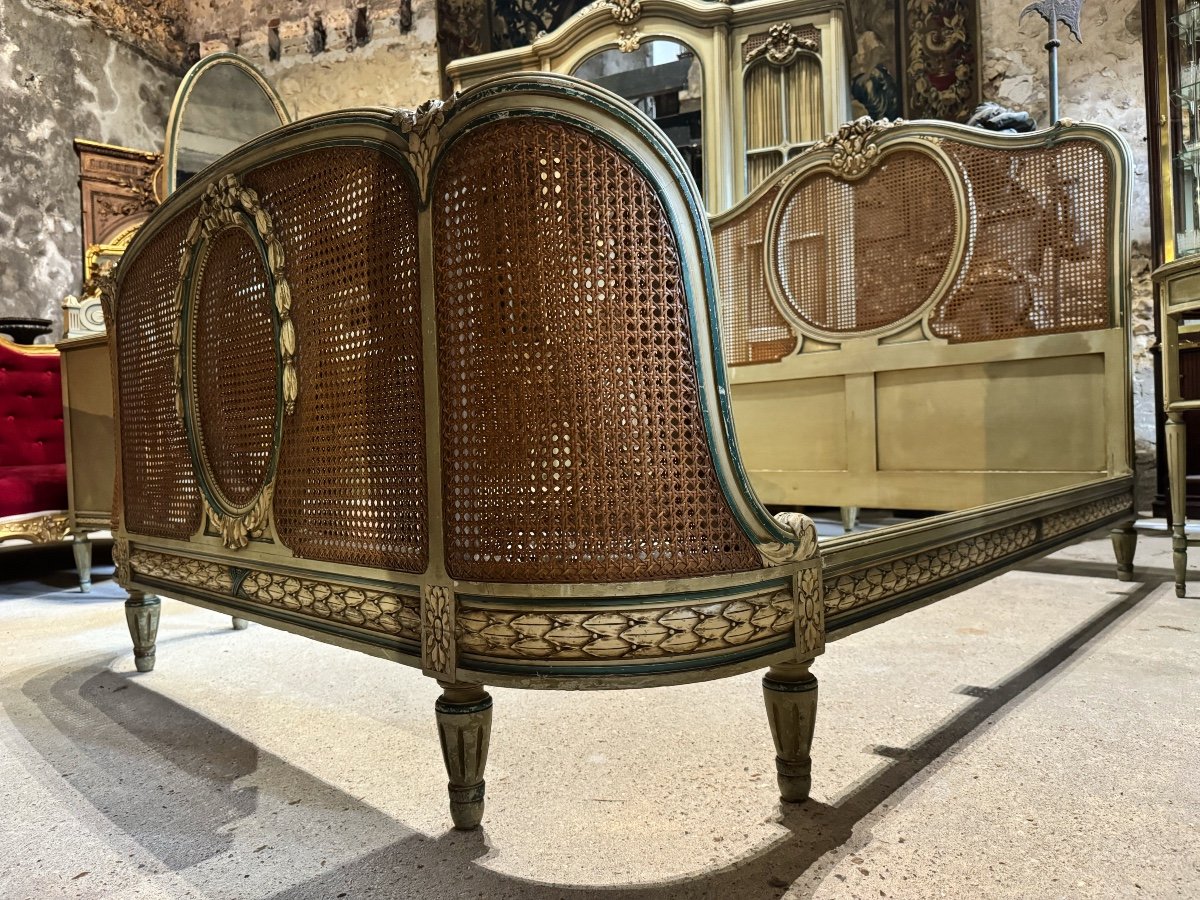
[{"x": 1052, "y": 45}]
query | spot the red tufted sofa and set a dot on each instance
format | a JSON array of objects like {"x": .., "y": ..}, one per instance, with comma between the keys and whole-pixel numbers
[{"x": 33, "y": 468}]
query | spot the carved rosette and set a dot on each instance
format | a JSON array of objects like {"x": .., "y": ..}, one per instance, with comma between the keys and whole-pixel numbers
[
  {"x": 855, "y": 152},
  {"x": 801, "y": 546},
  {"x": 225, "y": 204},
  {"x": 422, "y": 127},
  {"x": 628, "y": 40},
  {"x": 782, "y": 45},
  {"x": 437, "y": 631}
]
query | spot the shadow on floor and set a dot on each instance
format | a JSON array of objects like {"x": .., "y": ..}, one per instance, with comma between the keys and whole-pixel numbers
[{"x": 119, "y": 745}]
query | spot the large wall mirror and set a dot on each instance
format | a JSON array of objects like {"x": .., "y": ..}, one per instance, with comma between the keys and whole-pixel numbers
[
  {"x": 663, "y": 78},
  {"x": 222, "y": 103}
]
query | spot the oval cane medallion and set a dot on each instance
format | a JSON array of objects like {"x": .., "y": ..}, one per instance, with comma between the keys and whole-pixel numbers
[
  {"x": 868, "y": 255},
  {"x": 235, "y": 367}
]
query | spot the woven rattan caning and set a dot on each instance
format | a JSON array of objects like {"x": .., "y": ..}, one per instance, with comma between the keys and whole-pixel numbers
[
  {"x": 1040, "y": 262},
  {"x": 752, "y": 328},
  {"x": 161, "y": 498},
  {"x": 351, "y": 486},
  {"x": 859, "y": 256},
  {"x": 235, "y": 366},
  {"x": 573, "y": 447}
]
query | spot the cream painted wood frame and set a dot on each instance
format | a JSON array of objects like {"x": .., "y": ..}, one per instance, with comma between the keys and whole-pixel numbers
[
  {"x": 896, "y": 418},
  {"x": 717, "y": 33}
]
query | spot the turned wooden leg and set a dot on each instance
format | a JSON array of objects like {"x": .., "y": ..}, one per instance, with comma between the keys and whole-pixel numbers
[
  {"x": 849, "y": 518},
  {"x": 1177, "y": 478},
  {"x": 1124, "y": 541},
  {"x": 239, "y": 624},
  {"x": 464, "y": 718},
  {"x": 82, "y": 547},
  {"x": 141, "y": 612},
  {"x": 790, "y": 691}
]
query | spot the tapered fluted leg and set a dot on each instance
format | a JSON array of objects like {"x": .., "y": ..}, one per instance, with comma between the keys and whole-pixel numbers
[
  {"x": 1177, "y": 479},
  {"x": 1124, "y": 541},
  {"x": 141, "y": 612},
  {"x": 849, "y": 518},
  {"x": 464, "y": 718},
  {"x": 239, "y": 624},
  {"x": 790, "y": 691},
  {"x": 82, "y": 547}
]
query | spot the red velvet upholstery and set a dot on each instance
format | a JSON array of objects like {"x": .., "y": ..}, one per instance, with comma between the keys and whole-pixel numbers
[{"x": 33, "y": 471}]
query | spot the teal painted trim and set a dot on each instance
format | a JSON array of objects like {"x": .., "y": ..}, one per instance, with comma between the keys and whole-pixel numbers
[
  {"x": 393, "y": 643},
  {"x": 742, "y": 495},
  {"x": 686, "y": 597},
  {"x": 535, "y": 670}
]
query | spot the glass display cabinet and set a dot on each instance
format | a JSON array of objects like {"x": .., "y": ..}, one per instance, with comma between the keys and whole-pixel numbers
[{"x": 1172, "y": 50}]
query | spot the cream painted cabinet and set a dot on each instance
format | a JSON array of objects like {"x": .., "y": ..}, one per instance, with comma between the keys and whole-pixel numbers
[{"x": 739, "y": 89}]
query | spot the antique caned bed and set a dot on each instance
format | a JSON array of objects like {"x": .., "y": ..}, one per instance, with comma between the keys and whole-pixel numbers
[{"x": 445, "y": 386}]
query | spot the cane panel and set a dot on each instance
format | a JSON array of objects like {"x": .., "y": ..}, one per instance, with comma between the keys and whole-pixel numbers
[
  {"x": 161, "y": 497},
  {"x": 858, "y": 256},
  {"x": 235, "y": 368},
  {"x": 351, "y": 483},
  {"x": 1042, "y": 228},
  {"x": 752, "y": 328},
  {"x": 573, "y": 445}
]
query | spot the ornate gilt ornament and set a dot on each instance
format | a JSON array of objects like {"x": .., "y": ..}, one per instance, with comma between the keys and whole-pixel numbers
[
  {"x": 802, "y": 546},
  {"x": 612, "y": 634},
  {"x": 625, "y": 12},
  {"x": 628, "y": 40},
  {"x": 422, "y": 126},
  {"x": 782, "y": 45},
  {"x": 120, "y": 554},
  {"x": 227, "y": 204},
  {"x": 855, "y": 152},
  {"x": 437, "y": 630},
  {"x": 37, "y": 529}
]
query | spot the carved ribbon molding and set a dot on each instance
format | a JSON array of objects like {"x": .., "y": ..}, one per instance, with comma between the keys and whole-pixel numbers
[{"x": 782, "y": 45}]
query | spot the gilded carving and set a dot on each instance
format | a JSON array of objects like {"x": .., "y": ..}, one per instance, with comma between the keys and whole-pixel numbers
[
  {"x": 801, "y": 546},
  {"x": 874, "y": 583},
  {"x": 625, "y": 12},
  {"x": 1082, "y": 516},
  {"x": 422, "y": 127},
  {"x": 810, "y": 620},
  {"x": 197, "y": 573},
  {"x": 782, "y": 45},
  {"x": 854, "y": 149},
  {"x": 630, "y": 634},
  {"x": 383, "y": 611},
  {"x": 120, "y": 554},
  {"x": 38, "y": 529},
  {"x": 628, "y": 40},
  {"x": 437, "y": 631}
]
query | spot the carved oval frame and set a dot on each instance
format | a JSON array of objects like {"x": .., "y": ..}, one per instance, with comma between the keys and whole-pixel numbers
[
  {"x": 227, "y": 204},
  {"x": 849, "y": 155}
]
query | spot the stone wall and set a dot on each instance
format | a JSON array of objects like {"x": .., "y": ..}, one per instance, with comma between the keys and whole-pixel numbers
[
  {"x": 329, "y": 55},
  {"x": 61, "y": 77}
]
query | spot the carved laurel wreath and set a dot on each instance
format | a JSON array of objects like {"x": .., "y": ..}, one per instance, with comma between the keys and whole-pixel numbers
[
  {"x": 226, "y": 204},
  {"x": 855, "y": 152},
  {"x": 781, "y": 46}
]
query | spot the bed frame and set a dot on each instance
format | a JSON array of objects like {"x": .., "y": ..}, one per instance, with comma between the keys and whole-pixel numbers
[{"x": 443, "y": 386}]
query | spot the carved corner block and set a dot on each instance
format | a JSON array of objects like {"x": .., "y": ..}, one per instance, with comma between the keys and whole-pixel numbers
[
  {"x": 810, "y": 613},
  {"x": 438, "y": 656}
]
